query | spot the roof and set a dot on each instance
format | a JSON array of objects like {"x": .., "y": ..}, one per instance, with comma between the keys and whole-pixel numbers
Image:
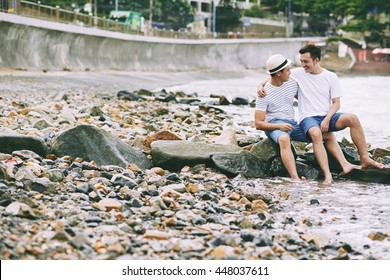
[{"x": 118, "y": 14}]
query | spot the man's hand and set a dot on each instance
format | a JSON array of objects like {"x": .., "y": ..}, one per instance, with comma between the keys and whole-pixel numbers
[
  {"x": 261, "y": 91},
  {"x": 285, "y": 126},
  {"x": 324, "y": 125}
]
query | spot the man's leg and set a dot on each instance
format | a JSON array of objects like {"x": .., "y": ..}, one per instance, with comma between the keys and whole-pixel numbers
[
  {"x": 287, "y": 156},
  {"x": 358, "y": 138},
  {"x": 320, "y": 153},
  {"x": 334, "y": 149}
]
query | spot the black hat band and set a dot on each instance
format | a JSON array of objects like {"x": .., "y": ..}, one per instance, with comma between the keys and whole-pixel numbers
[{"x": 279, "y": 67}]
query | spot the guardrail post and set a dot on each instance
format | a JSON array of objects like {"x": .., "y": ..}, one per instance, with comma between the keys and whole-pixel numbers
[
  {"x": 18, "y": 7},
  {"x": 57, "y": 13},
  {"x": 104, "y": 22},
  {"x": 116, "y": 25},
  {"x": 90, "y": 20}
]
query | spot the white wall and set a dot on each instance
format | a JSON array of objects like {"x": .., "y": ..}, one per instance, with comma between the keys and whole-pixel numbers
[{"x": 28, "y": 44}]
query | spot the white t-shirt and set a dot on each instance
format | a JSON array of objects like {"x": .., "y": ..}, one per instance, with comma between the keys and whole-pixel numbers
[
  {"x": 278, "y": 103},
  {"x": 315, "y": 92}
]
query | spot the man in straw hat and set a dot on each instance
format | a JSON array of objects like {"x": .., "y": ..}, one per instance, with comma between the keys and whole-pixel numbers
[
  {"x": 275, "y": 115},
  {"x": 319, "y": 95}
]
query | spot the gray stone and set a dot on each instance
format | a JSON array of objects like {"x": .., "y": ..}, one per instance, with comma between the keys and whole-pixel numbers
[
  {"x": 20, "y": 209},
  {"x": 303, "y": 169},
  {"x": 308, "y": 171},
  {"x": 92, "y": 143},
  {"x": 266, "y": 149},
  {"x": 26, "y": 154},
  {"x": 55, "y": 175},
  {"x": 3, "y": 172},
  {"x": 130, "y": 96},
  {"x": 5, "y": 198},
  {"x": 243, "y": 162},
  {"x": 42, "y": 124},
  {"x": 42, "y": 185},
  {"x": 16, "y": 142},
  {"x": 173, "y": 155},
  {"x": 240, "y": 101},
  {"x": 381, "y": 176}
]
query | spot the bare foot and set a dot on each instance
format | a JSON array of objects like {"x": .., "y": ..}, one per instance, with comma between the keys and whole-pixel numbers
[
  {"x": 327, "y": 181},
  {"x": 348, "y": 167},
  {"x": 299, "y": 180},
  {"x": 370, "y": 162}
]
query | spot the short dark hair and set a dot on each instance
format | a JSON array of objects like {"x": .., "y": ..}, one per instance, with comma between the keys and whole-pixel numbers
[{"x": 315, "y": 52}]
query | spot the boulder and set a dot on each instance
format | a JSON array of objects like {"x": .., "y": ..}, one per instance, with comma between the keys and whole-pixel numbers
[
  {"x": 381, "y": 176},
  {"x": 11, "y": 142},
  {"x": 303, "y": 169},
  {"x": 92, "y": 143},
  {"x": 380, "y": 152},
  {"x": 240, "y": 101},
  {"x": 173, "y": 155},
  {"x": 129, "y": 96},
  {"x": 243, "y": 162},
  {"x": 266, "y": 149}
]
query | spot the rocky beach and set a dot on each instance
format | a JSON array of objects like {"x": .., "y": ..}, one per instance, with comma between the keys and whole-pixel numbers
[{"x": 98, "y": 166}]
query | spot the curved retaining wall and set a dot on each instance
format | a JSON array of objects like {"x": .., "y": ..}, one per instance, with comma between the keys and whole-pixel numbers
[{"x": 33, "y": 44}]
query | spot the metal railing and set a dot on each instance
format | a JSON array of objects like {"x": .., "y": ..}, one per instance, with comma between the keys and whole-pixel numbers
[{"x": 56, "y": 14}]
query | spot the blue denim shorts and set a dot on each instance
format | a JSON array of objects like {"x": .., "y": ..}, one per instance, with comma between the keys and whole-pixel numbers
[
  {"x": 309, "y": 122},
  {"x": 296, "y": 134}
]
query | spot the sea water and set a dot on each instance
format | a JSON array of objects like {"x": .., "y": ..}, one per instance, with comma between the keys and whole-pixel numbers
[
  {"x": 368, "y": 97},
  {"x": 348, "y": 211}
]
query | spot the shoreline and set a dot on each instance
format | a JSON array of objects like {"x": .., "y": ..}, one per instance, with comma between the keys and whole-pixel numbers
[{"x": 196, "y": 213}]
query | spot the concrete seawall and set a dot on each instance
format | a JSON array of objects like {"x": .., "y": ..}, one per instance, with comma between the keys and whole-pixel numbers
[{"x": 32, "y": 44}]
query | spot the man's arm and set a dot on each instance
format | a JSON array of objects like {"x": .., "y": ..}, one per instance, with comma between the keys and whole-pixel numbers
[
  {"x": 332, "y": 110},
  {"x": 261, "y": 124},
  {"x": 260, "y": 88}
]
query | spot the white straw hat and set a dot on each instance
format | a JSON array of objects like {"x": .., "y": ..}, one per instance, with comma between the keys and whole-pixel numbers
[{"x": 276, "y": 63}]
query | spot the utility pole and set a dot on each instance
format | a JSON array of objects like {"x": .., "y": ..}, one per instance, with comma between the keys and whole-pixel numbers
[
  {"x": 215, "y": 4},
  {"x": 289, "y": 28},
  {"x": 289, "y": 11},
  {"x": 150, "y": 14},
  {"x": 96, "y": 17}
]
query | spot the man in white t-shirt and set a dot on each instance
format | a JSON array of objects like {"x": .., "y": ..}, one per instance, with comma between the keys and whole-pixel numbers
[
  {"x": 275, "y": 115},
  {"x": 319, "y": 100}
]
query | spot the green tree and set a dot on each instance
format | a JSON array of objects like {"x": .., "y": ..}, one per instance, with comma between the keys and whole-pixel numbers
[
  {"x": 173, "y": 13},
  {"x": 364, "y": 14},
  {"x": 228, "y": 16},
  {"x": 255, "y": 11},
  {"x": 176, "y": 13}
]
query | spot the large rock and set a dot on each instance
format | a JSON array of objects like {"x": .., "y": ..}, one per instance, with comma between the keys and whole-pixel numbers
[
  {"x": 334, "y": 165},
  {"x": 173, "y": 155},
  {"x": 350, "y": 154},
  {"x": 244, "y": 163},
  {"x": 92, "y": 143},
  {"x": 130, "y": 96},
  {"x": 266, "y": 149},
  {"x": 303, "y": 169},
  {"x": 381, "y": 176},
  {"x": 10, "y": 142}
]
